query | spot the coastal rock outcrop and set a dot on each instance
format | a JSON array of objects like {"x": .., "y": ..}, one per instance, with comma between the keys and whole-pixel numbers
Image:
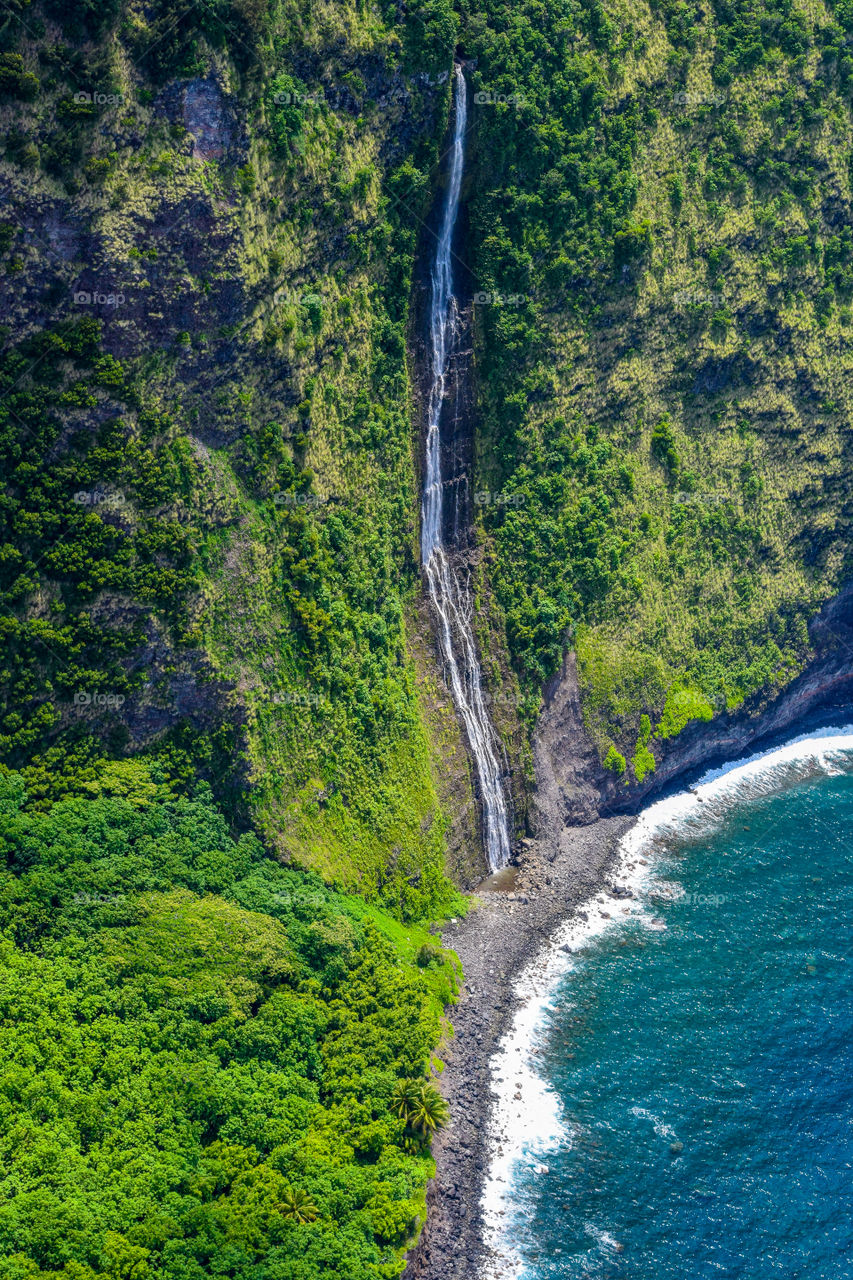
[{"x": 573, "y": 788}]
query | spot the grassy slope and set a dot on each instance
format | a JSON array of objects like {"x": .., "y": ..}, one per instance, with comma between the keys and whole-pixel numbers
[
  {"x": 679, "y": 445},
  {"x": 264, "y": 285},
  {"x": 209, "y": 534}
]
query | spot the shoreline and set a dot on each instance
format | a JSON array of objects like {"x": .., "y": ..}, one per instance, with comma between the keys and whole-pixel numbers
[
  {"x": 511, "y": 949},
  {"x": 520, "y": 908}
]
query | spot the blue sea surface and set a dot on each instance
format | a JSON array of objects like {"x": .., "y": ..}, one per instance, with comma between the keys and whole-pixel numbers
[{"x": 706, "y": 1068}]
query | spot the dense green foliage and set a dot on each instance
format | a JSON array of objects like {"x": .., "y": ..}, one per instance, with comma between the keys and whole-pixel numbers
[
  {"x": 662, "y": 193},
  {"x": 214, "y": 1063},
  {"x": 207, "y": 554},
  {"x": 211, "y": 503},
  {"x": 63, "y": 531},
  {"x": 200, "y": 1050}
]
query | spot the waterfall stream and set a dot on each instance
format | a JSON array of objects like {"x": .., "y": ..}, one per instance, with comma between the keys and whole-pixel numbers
[{"x": 450, "y": 596}]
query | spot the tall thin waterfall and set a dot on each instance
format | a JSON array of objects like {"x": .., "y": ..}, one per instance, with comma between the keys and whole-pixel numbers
[{"x": 450, "y": 597}]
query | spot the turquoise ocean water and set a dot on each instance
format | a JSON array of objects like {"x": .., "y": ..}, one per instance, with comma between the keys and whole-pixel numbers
[{"x": 702, "y": 1054}]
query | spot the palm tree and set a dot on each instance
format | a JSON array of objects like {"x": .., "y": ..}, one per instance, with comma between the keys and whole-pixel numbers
[
  {"x": 404, "y": 1099},
  {"x": 297, "y": 1206},
  {"x": 431, "y": 1111},
  {"x": 420, "y": 1105}
]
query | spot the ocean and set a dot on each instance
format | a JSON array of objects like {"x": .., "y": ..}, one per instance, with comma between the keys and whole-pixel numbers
[{"x": 675, "y": 1098}]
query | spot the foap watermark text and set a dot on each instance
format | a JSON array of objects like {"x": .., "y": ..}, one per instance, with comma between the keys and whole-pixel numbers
[{"x": 97, "y": 700}]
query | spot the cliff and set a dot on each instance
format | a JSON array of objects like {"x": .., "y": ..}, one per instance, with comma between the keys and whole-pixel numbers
[
  {"x": 211, "y": 457},
  {"x": 658, "y": 243},
  {"x": 573, "y": 788}
]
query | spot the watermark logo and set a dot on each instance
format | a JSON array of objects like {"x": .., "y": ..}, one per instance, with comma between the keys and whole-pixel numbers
[
  {"x": 671, "y": 891},
  {"x": 711, "y": 499},
  {"x": 313, "y": 901},
  {"x": 485, "y": 298},
  {"x": 487, "y": 98},
  {"x": 98, "y": 701},
  {"x": 489, "y": 498},
  {"x": 691, "y": 98},
  {"x": 697, "y": 298},
  {"x": 99, "y": 498},
  {"x": 502, "y": 699},
  {"x": 397, "y": 93},
  {"x": 97, "y": 99},
  {"x": 296, "y": 698},
  {"x": 300, "y": 297},
  {"x": 433, "y": 78},
  {"x": 94, "y": 298},
  {"x": 297, "y": 98},
  {"x": 308, "y": 501}
]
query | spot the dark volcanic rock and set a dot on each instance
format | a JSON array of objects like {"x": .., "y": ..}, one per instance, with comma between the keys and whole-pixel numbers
[
  {"x": 573, "y": 787},
  {"x": 566, "y": 864},
  {"x": 493, "y": 943},
  {"x": 208, "y": 114}
]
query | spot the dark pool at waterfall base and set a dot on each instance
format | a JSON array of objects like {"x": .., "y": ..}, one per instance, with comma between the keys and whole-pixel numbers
[{"x": 705, "y": 1068}]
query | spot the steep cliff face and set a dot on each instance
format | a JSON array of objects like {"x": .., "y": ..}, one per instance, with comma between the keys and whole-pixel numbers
[
  {"x": 661, "y": 272},
  {"x": 574, "y": 788},
  {"x": 502, "y": 693},
  {"x": 208, "y": 427},
  {"x": 217, "y": 220}
]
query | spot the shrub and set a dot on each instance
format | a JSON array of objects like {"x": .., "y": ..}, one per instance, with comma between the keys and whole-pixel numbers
[
  {"x": 643, "y": 762},
  {"x": 15, "y": 81},
  {"x": 632, "y": 242},
  {"x": 682, "y": 705},
  {"x": 429, "y": 954},
  {"x": 663, "y": 445},
  {"x": 614, "y": 760}
]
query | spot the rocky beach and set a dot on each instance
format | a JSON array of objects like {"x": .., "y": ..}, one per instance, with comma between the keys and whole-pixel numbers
[
  {"x": 517, "y": 912},
  {"x": 519, "y": 909}
]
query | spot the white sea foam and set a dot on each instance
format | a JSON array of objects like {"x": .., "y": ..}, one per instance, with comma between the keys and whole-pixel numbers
[
  {"x": 661, "y": 1129},
  {"x": 527, "y": 1120},
  {"x": 604, "y": 1238}
]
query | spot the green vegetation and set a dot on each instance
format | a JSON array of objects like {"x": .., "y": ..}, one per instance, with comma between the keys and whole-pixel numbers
[
  {"x": 667, "y": 190},
  {"x": 202, "y": 1050},
  {"x": 682, "y": 706},
  {"x": 223, "y": 759},
  {"x": 220, "y": 798},
  {"x": 643, "y": 761},
  {"x": 420, "y": 1105},
  {"x": 210, "y": 528}
]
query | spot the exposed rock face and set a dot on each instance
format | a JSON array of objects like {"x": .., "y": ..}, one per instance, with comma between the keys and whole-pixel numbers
[
  {"x": 458, "y": 430},
  {"x": 576, "y": 815},
  {"x": 206, "y": 118},
  {"x": 209, "y": 115},
  {"x": 573, "y": 788},
  {"x": 568, "y": 774},
  {"x": 458, "y": 469}
]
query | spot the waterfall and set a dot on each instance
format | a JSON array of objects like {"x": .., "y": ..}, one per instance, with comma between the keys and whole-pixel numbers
[{"x": 449, "y": 595}]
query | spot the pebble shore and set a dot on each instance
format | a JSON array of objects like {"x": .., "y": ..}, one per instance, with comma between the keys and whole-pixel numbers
[{"x": 519, "y": 909}]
